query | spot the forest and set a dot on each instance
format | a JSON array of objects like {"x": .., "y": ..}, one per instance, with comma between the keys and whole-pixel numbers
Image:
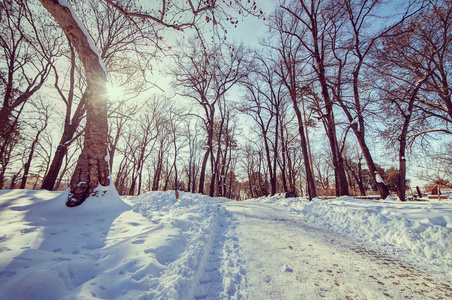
[{"x": 348, "y": 97}]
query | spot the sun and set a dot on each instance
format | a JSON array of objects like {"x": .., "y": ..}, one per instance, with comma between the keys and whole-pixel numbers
[{"x": 115, "y": 92}]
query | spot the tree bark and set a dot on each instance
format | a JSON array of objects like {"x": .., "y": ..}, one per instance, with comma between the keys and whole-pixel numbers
[
  {"x": 54, "y": 170},
  {"x": 92, "y": 167},
  {"x": 215, "y": 161},
  {"x": 318, "y": 55},
  {"x": 403, "y": 138},
  {"x": 381, "y": 186},
  {"x": 203, "y": 172},
  {"x": 360, "y": 133},
  {"x": 330, "y": 125},
  {"x": 206, "y": 158},
  {"x": 158, "y": 172},
  {"x": 213, "y": 167},
  {"x": 312, "y": 193},
  {"x": 55, "y": 167}
]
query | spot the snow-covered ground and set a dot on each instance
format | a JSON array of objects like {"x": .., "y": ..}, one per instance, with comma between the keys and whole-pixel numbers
[
  {"x": 154, "y": 246},
  {"x": 419, "y": 232}
]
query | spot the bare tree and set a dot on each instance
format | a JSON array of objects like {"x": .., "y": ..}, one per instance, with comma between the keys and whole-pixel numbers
[
  {"x": 291, "y": 67},
  {"x": 353, "y": 162},
  {"x": 313, "y": 22},
  {"x": 141, "y": 141},
  {"x": 123, "y": 115},
  {"x": 352, "y": 40},
  {"x": 175, "y": 122},
  {"x": 92, "y": 167},
  {"x": 399, "y": 58},
  {"x": 253, "y": 161},
  {"x": 264, "y": 99},
  {"x": 324, "y": 172},
  {"x": 226, "y": 144},
  {"x": 25, "y": 61},
  {"x": 43, "y": 112},
  {"x": 434, "y": 35},
  {"x": 163, "y": 146},
  {"x": 192, "y": 134},
  {"x": 205, "y": 75}
]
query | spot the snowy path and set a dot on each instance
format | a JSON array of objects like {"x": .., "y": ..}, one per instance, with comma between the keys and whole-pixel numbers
[
  {"x": 288, "y": 258},
  {"x": 220, "y": 273}
]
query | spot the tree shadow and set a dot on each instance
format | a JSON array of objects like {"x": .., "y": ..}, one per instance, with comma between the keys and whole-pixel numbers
[{"x": 54, "y": 249}]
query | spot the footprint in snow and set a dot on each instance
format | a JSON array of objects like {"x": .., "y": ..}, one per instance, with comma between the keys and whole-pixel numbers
[
  {"x": 134, "y": 224},
  {"x": 286, "y": 268},
  {"x": 22, "y": 258},
  {"x": 210, "y": 268},
  {"x": 6, "y": 274},
  {"x": 29, "y": 230}
]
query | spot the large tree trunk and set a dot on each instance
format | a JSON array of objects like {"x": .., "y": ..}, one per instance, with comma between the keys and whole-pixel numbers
[
  {"x": 158, "y": 172},
  {"x": 403, "y": 138},
  {"x": 360, "y": 133},
  {"x": 319, "y": 58},
  {"x": 203, "y": 172},
  {"x": 381, "y": 186},
  {"x": 213, "y": 167},
  {"x": 55, "y": 167},
  {"x": 215, "y": 161},
  {"x": 312, "y": 193},
  {"x": 5, "y": 125},
  {"x": 275, "y": 151},
  {"x": 206, "y": 158},
  {"x": 330, "y": 126},
  {"x": 283, "y": 164},
  {"x": 92, "y": 167},
  {"x": 133, "y": 183},
  {"x": 269, "y": 165},
  {"x": 402, "y": 171}
]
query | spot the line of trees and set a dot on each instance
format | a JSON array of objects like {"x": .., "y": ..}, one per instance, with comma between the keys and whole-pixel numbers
[{"x": 307, "y": 112}]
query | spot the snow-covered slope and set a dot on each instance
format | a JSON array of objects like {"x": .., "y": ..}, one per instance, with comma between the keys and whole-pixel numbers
[{"x": 156, "y": 247}]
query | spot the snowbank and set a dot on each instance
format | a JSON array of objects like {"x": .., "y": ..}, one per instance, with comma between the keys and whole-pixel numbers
[
  {"x": 418, "y": 231},
  {"x": 147, "y": 247}
]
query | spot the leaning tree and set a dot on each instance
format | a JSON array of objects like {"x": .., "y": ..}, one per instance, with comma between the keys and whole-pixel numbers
[{"x": 92, "y": 167}]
